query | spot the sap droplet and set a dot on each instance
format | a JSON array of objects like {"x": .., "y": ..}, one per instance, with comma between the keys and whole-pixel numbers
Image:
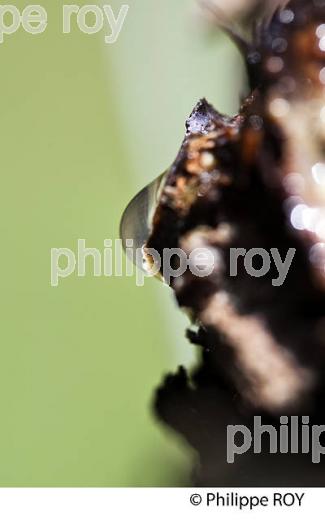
[{"x": 136, "y": 221}]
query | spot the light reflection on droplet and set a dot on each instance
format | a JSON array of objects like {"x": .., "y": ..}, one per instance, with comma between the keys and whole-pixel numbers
[
  {"x": 305, "y": 218},
  {"x": 322, "y": 44},
  {"x": 275, "y": 64},
  {"x": 317, "y": 255},
  {"x": 279, "y": 107},
  {"x": 320, "y": 31},
  {"x": 318, "y": 171},
  {"x": 296, "y": 217},
  {"x": 287, "y": 16}
]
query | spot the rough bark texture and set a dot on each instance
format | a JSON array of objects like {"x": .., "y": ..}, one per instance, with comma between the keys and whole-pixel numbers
[{"x": 262, "y": 346}]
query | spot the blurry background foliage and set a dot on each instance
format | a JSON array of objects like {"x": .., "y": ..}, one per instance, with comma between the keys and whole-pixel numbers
[{"x": 84, "y": 125}]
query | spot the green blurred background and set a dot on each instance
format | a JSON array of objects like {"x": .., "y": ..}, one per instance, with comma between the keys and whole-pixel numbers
[{"x": 85, "y": 125}]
